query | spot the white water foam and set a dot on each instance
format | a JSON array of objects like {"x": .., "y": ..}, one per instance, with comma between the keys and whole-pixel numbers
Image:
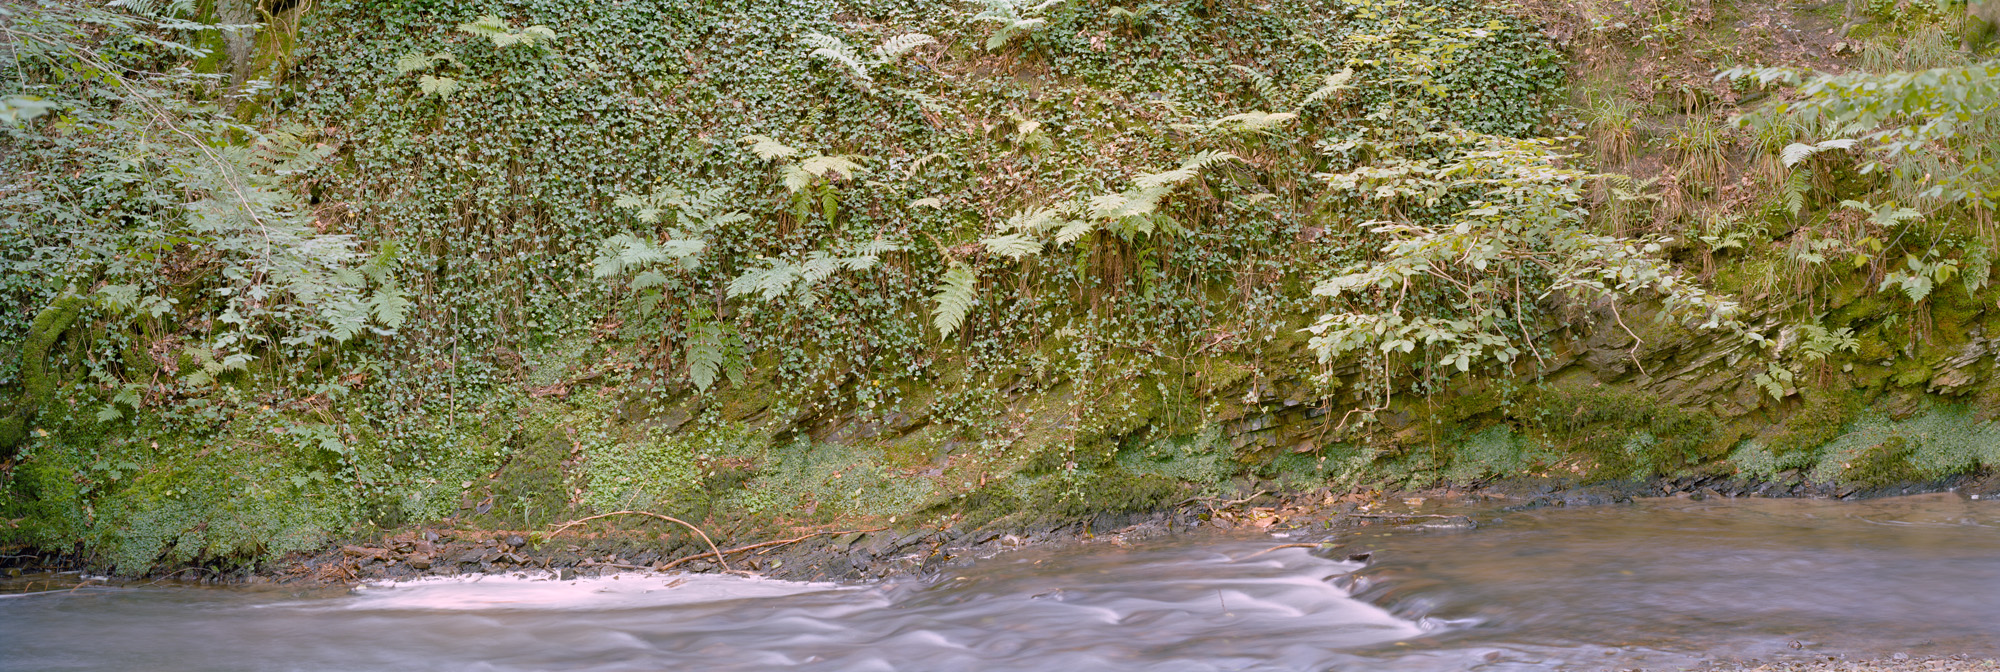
[{"x": 546, "y": 592}]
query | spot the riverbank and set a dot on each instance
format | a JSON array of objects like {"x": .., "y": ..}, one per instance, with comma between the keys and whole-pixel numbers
[{"x": 869, "y": 550}]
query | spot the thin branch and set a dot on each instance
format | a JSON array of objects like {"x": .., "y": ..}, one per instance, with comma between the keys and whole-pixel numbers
[
  {"x": 704, "y": 535},
  {"x": 1307, "y": 544},
  {"x": 718, "y": 554}
]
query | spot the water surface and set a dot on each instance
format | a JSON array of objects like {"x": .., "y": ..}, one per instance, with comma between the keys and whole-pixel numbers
[{"x": 1657, "y": 584}]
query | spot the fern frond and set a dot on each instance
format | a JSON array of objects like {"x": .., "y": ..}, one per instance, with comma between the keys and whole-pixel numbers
[
  {"x": 877, "y": 247},
  {"x": 1795, "y": 153},
  {"x": 704, "y": 353},
  {"x": 487, "y": 26},
  {"x": 442, "y": 87},
  {"x": 1033, "y": 220},
  {"x": 408, "y": 63},
  {"x": 611, "y": 255},
  {"x": 685, "y": 250},
  {"x": 957, "y": 290},
  {"x": 1075, "y": 230},
  {"x": 819, "y": 266},
  {"x": 1796, "y": 186},
  {"x": 1187, "y": 170},
  {"x": 767, "y": 149},
  {"x": 821, "y": 165},
  {"x": 1162, "y": 179},
  {"x": 895, "y": 47},
  {"x": 1208, "y": 158},
  {"x": 1333, "y": 84},
  {"x": 834, "y": 49},
  {"x": 1255, "y": 121},
  {"x": 1261, "y": 83},
  {"x": 794, "y": 177},
  {"x": 769, "y": 282},
  {"x": 1110, "y": 206},
  {"x": 1014, "y": 245},
  {"x": 537, "y": 34},
  {"x": 629, "y": 202}
]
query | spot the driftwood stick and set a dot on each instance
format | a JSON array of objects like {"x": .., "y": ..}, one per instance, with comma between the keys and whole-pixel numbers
[
  {"x": 704, "y": 535},
  {"x": 1304, "y": 544},
  {"x": 1402, "y": 515},
  {"x": 1225, "y": 504},
  {"x": 718, "y": 554}
]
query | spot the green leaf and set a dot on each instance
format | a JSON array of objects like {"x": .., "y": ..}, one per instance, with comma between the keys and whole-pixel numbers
[{"x": 956, "y": 291}]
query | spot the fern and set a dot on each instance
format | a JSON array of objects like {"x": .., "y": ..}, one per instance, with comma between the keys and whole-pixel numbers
[
  {"x": 836, "y": 50},
  {"x": 1015, "y": 245},
  {"x": 896, "y": 47},
  {"x": 712, "y": 352},
  {"x": 767, "y": 149},
  {"x": 1255, "y": 121},
  {"x": 1796, "y": 153},
  {"x": 1015, "y": 17},
  {"x": 797, "y": 175},
  {"x": 503, "y": 36},
  {"x": 822, "y": 166},
  {"x": 409, "y": 63},
  {"x": 1796, "y": 186},
  {"x": 1333, "y": 84},
  {"x": 1262, "y": 84},
  {"x": 442, "y": 87},
  {"x": 957, "y": 290}
]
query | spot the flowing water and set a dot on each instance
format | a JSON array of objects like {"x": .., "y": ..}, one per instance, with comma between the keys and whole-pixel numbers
[{"x": 1659, "y": 583}]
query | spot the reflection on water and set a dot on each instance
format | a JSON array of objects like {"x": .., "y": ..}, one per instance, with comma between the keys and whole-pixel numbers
[
  {"x": 1655, "y": 583},
  {"x": 1743, "y": 578}
]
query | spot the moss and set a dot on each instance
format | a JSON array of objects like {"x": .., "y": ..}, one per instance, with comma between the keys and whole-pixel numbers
[
  {"x": 529, "y": 491},
  {"x": 1083, "y": 492},
  {"x": 1496, "y": 450},
  {"x": 1887, "y": 463},
  {"x": 1824, "y": 416},
  {"x": 38, "y": 386},
  {"x": 1910, "y": 373},
  {"x": 1627, "y": 433},
  {"x": 1202, "y": 458}
]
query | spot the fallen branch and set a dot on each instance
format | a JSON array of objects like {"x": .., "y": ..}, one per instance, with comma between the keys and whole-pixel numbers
[
  {"x": 704, "y": 535},
  {"x": 1224, "y": 505},
  {"x": 718, "y": 554},
  {"x": 1308, "y": 544},
  {"x": 1402, "y": 515}
]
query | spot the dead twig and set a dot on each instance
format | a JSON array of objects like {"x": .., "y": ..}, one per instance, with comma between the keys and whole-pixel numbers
[
  {"x": 1223, "y": 505},
  {"x": 718, "y": 554},
  {"x": 1306, "y": 544},
  {"x": 704, "y": 535},
  {"x": 1402, "y": 515}
]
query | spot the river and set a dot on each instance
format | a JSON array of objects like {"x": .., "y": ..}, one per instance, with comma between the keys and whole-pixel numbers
[{"x": 1654, "y": 584}]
